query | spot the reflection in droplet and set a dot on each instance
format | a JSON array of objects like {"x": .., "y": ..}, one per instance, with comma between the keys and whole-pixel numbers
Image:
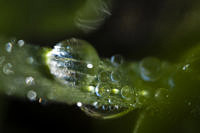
[
  {"x": 9, "y": 47},
  {"x": 21, "y": 43},
  {"x": 7, "y": 69},
  {"x": 30, "y": 81},
  {"x": 2, "y": 59},
  {"x": 117, "y": 60},
  {"x": 150, "y": 69},
  {"x": 32, "y": 95}
]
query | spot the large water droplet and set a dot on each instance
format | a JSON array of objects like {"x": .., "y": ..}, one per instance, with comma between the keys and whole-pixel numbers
[
  {"x": 150, "y": 69},
  {"x": 7, "y": 69},
  {"x": 73, "y": 62},
  {"x": 32, "y": 95},
  {"x": 117, "y": 60}
]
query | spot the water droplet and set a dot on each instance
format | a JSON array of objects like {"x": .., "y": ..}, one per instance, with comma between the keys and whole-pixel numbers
[
  {"x": 79, "y": 104},
  {"x": 104, "y": 76},
  {"x": 150, "y": 69},
  {"x": 161, "y": 94},
  {"x": 32, "y": 95},
  {"x": 30, "y": 60},
  {"x": 117, "y": 60},
  {"x": 2, "y": 59},
  {"x": 89, "y": 66},
  {"x": 127, "y": 93},
  {"x": 186, "y": 67},
  {"x": 21, "y": 43},
  {"x": 116, "y": 76},
  {"x": 71, "y": 62},
  {"x": 7, "y": 69},
  {"x": 9, "y": 47},
  {"x": 102, "y": 90},
  {"x": 30, "y": 81}
]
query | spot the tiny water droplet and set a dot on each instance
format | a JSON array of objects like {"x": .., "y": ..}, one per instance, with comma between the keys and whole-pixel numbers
[
  {"x": 30, "y": 81},
  {"x": 7, "y": 69},
  {"x": 150, "y": 69},
  {"x": 89, "y": 66},
  {"x": 9, "y": 47},
  {"x": 127, "y": 93},
  {"x": 21, "y": 43},
  {"x": 117, "y": 60},
  {"x": 79, "y": 104},
  {"x": 32, "y": 95}
]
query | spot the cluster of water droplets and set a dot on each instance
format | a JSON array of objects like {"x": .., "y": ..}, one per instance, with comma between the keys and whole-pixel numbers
[
  {"x": 17, "y": 64},
  {"x": 75, "y": 63}
]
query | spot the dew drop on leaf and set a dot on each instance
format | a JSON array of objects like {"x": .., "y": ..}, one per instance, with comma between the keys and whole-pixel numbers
[{"x": 73, "y": 62}]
